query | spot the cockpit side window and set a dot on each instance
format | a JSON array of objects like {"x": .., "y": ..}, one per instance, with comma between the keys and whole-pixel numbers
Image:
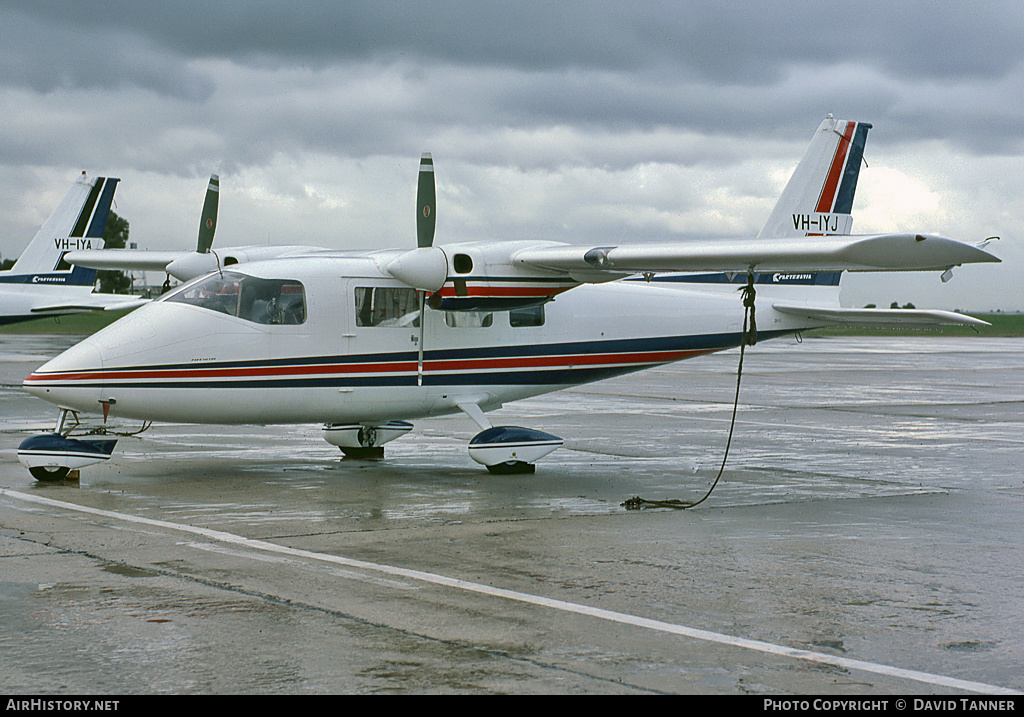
[
  {"x": 272, "y": 301},
  {"x": 262, "y": 301}
]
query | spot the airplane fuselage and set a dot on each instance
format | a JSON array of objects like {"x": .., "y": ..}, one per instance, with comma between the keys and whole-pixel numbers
[{"x": 342, "y": 343}]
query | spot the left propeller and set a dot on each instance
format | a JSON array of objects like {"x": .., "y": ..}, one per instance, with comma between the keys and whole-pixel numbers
[
  {"x": 203, "y": 260},
  {"x": 208, "y": 221}
]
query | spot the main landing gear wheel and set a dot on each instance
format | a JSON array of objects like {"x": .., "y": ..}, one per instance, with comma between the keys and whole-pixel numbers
[
  {"x": 364, "y": 454},
  {"x": 47, "y": 474},
  {"x": 512, "y": 468},
  {"x": 364, "y": 442}
]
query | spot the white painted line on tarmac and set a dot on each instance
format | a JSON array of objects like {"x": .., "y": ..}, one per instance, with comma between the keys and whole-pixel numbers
[{"x": 560, "y": 605}]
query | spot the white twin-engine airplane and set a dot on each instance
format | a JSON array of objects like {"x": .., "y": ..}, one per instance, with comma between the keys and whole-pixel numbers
[
  {"x": 42, "y": 282},
  {"x": 364, "y": 342}
]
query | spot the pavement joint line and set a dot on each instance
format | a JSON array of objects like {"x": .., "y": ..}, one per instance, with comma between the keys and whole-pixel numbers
[{"x": 537, "y": 600}]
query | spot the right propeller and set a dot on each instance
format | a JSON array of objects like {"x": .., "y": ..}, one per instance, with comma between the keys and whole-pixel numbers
[
  {"x": 426, "y": 267},
  {"x": 426, "y": 201}
]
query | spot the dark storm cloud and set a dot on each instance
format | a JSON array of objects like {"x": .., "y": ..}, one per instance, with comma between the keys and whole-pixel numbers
[
  {"x": 45, "y": 56},
  {"x": 760, "y": 67},
  {"x": 748, "y": 42},
  {"x": 584, "y": 118}
]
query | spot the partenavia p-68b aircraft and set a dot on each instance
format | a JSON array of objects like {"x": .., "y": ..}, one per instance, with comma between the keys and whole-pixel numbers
[
  {"x": 42, "y": 282},
  {"x": 364, "y": 342}
]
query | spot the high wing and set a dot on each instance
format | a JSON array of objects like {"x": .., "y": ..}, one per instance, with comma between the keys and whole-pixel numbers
[
  {"x": 497, "y": 276},
  {"x": 125, "y": 259},
  {"x": 879, "y": 252},
  {"x": 182, "y": 265}
]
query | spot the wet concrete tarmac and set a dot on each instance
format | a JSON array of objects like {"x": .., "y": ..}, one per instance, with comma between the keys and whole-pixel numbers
[{"x": 866, "y": 539}]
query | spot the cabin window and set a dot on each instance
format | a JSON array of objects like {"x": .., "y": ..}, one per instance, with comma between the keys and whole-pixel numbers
[
  {"x": 527, "y": 316},
  {"x": 468, "y": 319},
  {"x": 386, "y": 306},
  {"x": 462, "y": 263},
  {"x": 262, "y": 301}
]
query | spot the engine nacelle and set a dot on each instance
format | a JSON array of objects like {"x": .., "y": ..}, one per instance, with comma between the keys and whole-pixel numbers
[{"x": 481, "y": 277}]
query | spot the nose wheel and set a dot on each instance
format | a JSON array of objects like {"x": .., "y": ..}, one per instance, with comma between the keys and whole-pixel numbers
[
  {"x": 46, "y": 474},
  {"x": 52, "y": 456}
]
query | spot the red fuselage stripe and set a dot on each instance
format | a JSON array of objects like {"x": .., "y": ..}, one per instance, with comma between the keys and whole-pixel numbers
[{"x": 442, "y": 366}]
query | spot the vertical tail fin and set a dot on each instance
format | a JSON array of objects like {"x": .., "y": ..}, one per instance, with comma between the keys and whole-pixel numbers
[
  {"x": 77, "y": 223},
  {"x": 819, "y": 196}
]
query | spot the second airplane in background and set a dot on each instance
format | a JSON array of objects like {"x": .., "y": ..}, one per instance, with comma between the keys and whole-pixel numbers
[{"x": 42, "y": 282}]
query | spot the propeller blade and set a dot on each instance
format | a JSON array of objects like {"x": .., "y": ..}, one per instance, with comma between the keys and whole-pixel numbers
[
  {"x": 208, "y": 222},
  {"x": 426, "y": 201}
]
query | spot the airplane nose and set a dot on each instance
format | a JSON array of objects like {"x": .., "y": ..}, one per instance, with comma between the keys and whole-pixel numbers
[{"x": 74, "y": 379}]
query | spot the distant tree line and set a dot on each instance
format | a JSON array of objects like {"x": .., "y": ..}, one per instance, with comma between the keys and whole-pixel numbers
[{"x": 115, "y": 236}]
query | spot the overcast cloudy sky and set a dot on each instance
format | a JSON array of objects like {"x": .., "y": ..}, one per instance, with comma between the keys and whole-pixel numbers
[{"x": 572, "y": 121}]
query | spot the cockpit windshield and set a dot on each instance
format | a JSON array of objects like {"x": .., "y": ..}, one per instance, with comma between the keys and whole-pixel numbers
[{"x": 262, "y": 301}]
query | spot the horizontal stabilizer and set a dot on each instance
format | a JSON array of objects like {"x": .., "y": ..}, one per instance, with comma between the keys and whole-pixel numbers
[
  {"x": 837, "y": 316},
  {"x": 880, "y": 252}
]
